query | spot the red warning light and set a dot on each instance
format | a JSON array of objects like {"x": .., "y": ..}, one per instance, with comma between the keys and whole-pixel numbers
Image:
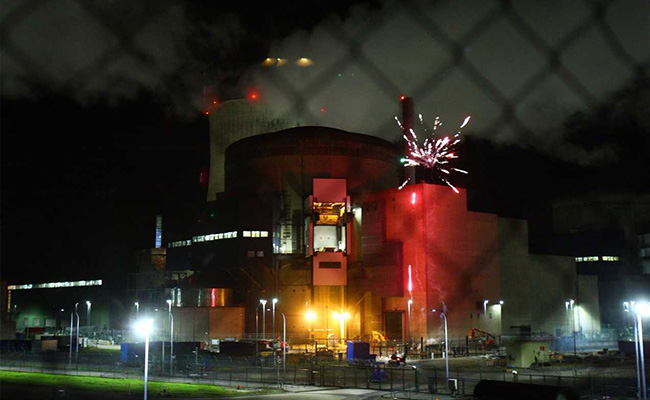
[
  {"x": 253, "y": 95},
  {"x": 402, "y": 97}
]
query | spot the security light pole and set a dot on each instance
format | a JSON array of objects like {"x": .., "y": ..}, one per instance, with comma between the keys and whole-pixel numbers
[
  {"x": 88, "y": 305},
  {"x": 274, "y": 302},
  {"x": 642, "y": 309},
  {"x": 444, "y": 317},
  {"x": 144, "y": 327},
  {"x": 71, "y": 330},
  {"x": 76, "y": 357},
  {"x": 171, "y": 339},
  {"x": 263, "y": 302}
]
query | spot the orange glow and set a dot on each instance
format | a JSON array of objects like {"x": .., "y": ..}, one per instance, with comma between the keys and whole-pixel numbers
[
  {"x": 304, "y": 62},
  {"x": 269, "y": 62},
  {"x": 253, "y": 95}
]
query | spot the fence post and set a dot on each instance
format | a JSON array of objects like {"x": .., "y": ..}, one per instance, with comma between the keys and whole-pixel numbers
[
  {"x": 322, "y": 375},
  {"x": 417, "y": 386},
  {"x": 368, "y": 375}
]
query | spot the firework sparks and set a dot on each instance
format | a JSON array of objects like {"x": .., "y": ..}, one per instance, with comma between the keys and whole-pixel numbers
[{"x": 435, "y": 154}]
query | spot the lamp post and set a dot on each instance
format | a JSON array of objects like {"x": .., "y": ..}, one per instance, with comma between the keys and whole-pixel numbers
[
  {"x": 137, "y": 310},
  {"x": 573, "y": 329},
  {"x": 71, "y": 329},
  {"x": 443, "y": 315},
  {"x": 88, "y": 305},
  {"x": 263, "y": 303},
  {"x": 408, "y": 307},
  {"x": 342, "y": 317},
  {"x": 171, "y": 338},
  {"x": 162, "y": 341},
  {"x": 284, "y": 347},
  {"x": 500, "y": 322},
  {"x": 641, "y": 309},
  {"x": 144, "y": 327},
  {"x": 257, "y": 329},
  {"x": 274, "y": 302},
  {"x": 76, "y": 353}
]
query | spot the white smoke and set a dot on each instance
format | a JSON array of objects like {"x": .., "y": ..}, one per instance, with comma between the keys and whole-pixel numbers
[{"x": 461, "y": 58}]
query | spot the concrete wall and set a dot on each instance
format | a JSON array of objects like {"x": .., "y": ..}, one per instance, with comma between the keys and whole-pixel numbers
[{"x": 534, "y": 287}]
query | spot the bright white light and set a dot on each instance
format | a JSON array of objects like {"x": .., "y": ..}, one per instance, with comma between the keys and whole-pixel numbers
[
  {"x": 341, "y": 316},
  {"x": 643, "y": 308},
  {"x": 144, "y": 326}
]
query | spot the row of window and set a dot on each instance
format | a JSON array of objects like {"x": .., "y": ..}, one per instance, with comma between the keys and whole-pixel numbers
[
  {"x": 52, "y": 285},
  {"x": 596, "y": 258},
  {"x": 217, "y": 236}
]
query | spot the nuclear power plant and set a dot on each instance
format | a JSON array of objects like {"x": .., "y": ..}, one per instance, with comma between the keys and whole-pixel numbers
[{"x": 312, "y": 228}]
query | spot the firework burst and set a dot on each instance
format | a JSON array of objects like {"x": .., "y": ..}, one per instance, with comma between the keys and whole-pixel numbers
[{"x": 435, "y": 154}]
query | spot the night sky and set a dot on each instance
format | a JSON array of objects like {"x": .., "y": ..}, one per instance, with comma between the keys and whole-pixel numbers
[{"x": 103, "y": 125}]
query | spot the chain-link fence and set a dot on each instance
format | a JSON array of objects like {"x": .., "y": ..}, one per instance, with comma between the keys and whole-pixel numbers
[{"x": 422, "y": 377}]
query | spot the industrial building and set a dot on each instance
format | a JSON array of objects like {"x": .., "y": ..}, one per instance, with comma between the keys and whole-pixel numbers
[{"x": 316, "y": 218}]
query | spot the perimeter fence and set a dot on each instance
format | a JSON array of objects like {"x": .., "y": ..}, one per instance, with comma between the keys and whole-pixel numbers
[{"x": 415, "y": 376}]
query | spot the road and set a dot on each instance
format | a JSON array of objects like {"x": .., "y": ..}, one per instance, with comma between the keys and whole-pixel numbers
[{"x": 22, "y": 392}]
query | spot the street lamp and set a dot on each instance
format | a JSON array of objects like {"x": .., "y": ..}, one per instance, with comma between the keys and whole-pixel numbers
[
  {"x": 342, "y": 317},
  {"x": 171, "y": 338},
  {"x": 444, "y": 317},
  {"x": 569, "y": 306},
  {"x": 263, "y": 302},
  {"x": 641, "y": 309},
  {"x": 284, "y": 346},
  {"x": 137, "y": 309},
  {"x": 408, "y": 307},
  {"x": 144, "y": 327},
  {"x": 88, "y": 304},
  {"x": 162, "y": 341},
  {"x": 274, "y": 302},
  {"x": 76, "y": 353},
  {"x": 71, "y": 330}
]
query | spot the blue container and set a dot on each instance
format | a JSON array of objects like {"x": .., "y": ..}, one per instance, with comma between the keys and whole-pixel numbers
[{"x": 358, "y": 350}]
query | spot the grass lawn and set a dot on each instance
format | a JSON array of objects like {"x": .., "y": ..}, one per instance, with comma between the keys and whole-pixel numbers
[{"x": 123, "y": 385}]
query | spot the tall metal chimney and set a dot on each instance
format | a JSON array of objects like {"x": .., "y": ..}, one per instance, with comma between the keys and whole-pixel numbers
[{"x": 407, "y": 123}]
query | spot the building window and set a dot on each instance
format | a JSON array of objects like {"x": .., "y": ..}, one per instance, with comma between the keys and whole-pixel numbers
[
  {"x": 250, "y": 253},
  {"x": 246, "y": 233},
  {"x": 329, "y": 264},
  {"x": 260, "y": 254}
]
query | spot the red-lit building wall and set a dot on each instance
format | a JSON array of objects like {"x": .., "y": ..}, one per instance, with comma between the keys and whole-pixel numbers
[{"x": 452, "y": 252}]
